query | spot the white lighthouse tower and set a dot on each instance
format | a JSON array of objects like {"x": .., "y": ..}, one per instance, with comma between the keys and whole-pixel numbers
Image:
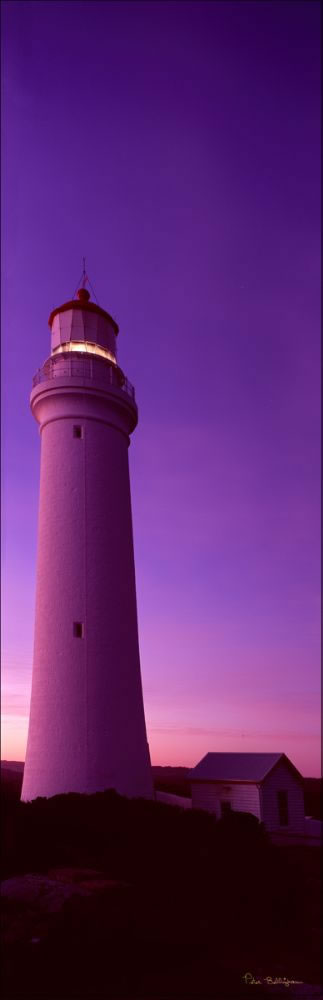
[{"x": 87, "y": 726}]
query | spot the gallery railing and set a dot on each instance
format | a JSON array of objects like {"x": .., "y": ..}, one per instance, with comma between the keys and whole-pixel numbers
[{"x": 79, "y": 366}]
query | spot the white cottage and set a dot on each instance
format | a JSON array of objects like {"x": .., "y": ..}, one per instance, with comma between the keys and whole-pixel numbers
[{"x": 265, "y": 784}]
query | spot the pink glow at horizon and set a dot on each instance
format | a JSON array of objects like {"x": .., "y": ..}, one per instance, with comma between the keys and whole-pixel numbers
[
  {"x": 188, "y": 172},
  {"x": 185, "y": 747}
]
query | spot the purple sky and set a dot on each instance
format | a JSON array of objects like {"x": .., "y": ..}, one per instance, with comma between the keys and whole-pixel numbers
[{"x": 176, "y": 145}]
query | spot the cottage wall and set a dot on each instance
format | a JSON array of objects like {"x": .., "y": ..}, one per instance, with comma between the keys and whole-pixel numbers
[
  {"x": 282, "y": 779},
  {"x": 242, "y": 797}
]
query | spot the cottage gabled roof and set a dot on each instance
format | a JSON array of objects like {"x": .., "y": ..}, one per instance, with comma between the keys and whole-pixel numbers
[{"x": 238, "y": 766}]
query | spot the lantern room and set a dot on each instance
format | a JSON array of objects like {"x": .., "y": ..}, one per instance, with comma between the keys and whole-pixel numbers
[{"x": 82, "y": 326}]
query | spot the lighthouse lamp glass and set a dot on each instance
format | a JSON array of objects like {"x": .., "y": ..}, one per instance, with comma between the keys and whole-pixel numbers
[{"x": 86, "y": 348}]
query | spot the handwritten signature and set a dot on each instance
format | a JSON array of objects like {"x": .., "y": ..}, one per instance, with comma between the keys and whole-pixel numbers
[{"x": 270, "y": 980}]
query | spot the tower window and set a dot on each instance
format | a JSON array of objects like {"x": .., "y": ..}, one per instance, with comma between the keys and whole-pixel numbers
[
  {"x": 78, "y": 630},
  {"x": 77, "y": 431}
]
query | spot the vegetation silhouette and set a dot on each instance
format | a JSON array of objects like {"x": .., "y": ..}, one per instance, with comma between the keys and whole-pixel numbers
[{"x": 194, "y": 903}]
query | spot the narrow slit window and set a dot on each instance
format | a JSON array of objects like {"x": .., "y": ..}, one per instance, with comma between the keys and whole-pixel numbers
[
  {"x": 282, "y": 797},
  {"x": 77, "y": 431},
  {"x": 78, "y": 630},
  {"x": 225, "y": 807}
]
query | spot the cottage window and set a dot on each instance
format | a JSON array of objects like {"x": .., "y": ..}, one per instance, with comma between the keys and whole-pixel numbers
[
  {"x": 282, "y": 797},
  {"x": 225, "y": 807}
]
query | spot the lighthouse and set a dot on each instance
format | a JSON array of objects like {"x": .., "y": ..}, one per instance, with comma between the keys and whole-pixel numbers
[{"x": 87, "y": 727}]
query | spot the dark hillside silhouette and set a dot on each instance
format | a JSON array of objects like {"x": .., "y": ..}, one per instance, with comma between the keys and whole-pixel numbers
[
  {"x": 172, "y": 779},
  {"x": 176, "y": 901},
  {"x": 11, "y": 782}
]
